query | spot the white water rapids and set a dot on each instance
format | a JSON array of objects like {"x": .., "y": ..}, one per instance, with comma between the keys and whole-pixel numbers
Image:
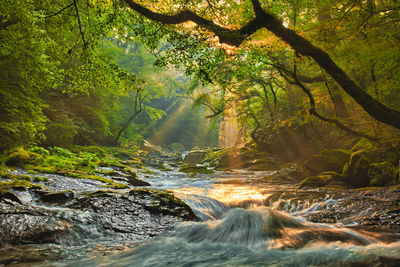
[{"x": 239, "y": 227}]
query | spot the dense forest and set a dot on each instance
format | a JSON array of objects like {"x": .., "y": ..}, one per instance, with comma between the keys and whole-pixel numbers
[{"x": 284, "y": 112}]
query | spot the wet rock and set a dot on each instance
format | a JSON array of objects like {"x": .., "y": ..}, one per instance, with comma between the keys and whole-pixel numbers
[
  {"x": 132, "y": 180},
  {"x": 195, "y": 157},
  {"x": 329, "y": 160},
  {"x": 260, "y": 164},
  {"x": 378, "y": 153},
  {"x": 320, "y": 180},
  {"x": 356, "y": 170},
  {"x": 29, "y": 225},
  {"x": 382, "y": 174},
  {"x": 161, "y": 202},
  {"x": 192, "y": 168},
  {"x": 57, "y": 197},
  {"x": 177, "y": 147},
  {"x": 5, "y": 194}
]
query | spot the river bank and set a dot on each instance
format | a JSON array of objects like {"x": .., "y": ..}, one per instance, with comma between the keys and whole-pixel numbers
[{"x": 255, "y": 214}]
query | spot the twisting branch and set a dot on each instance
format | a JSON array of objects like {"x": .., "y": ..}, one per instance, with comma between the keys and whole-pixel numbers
[
  {"x": 298, "y": 43},
  {"x": 58, "y": 12},
  {"x": 79, "y": 23},
  {"x": 313, "y": 110}
]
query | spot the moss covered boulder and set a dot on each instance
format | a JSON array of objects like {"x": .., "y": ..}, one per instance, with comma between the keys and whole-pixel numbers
[
  {"x": 195, "y": 157},
  {"x": 321, "y": 180},
  {"x": 376, "y": 153},
  {"x": 382, "y": 174},
  {"x": 133, "y": 180},
  {"x": 20, "y": 156},
  {"x": 20, "y": 185},
  {"x": 355, "y": 172},
  {"x": 57, "y": 197},
  {"x": 328, "y": 160},
  {"x": 192, "y": 168},
  {"x": 5, "y": 194},
  {"x": 160, "y": 202}
]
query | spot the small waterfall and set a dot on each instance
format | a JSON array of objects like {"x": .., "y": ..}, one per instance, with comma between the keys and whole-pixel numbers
[{"x": 257, "y": 237}]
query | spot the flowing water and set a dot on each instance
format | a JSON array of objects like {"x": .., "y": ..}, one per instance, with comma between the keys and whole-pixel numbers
[{"x": 247, "y": 223}]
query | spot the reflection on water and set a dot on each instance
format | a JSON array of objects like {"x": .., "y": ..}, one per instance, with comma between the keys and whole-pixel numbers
[{"x": 229, "y": 194}]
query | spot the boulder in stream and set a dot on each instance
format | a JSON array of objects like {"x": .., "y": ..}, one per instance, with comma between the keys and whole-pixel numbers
[
  {"x": 132, "y": 180},
  {"x": 195, "y": 157},
  {"x": 5, "y": 194},
  {"x": 328, "y": 160},
  {"x": 57, "y": 197},
  {"x": 382, "y": 174},
  {"x": 321, "y": 180}
]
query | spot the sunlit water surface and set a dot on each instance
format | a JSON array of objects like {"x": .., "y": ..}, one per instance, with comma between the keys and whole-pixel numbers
[{"x": 239, "y": 227}]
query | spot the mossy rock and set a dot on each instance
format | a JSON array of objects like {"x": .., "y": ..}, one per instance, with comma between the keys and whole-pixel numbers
[
  {"x": 20, "y": 157},
  {"x": 376, "y": 154},
  {"x": 328, "y": 160},
  {"x": 194, "y": 157},
  {"x": 162, "y": 202},
  {"x": 133, "y": 180},
  {"x": 382, "y": 174},
  {"x": 363, "y": 144},
  {"x": 57, "y": 197},
  {"x": 130, "y": 171},
  {"x": 321, "y": 180},
  {"x": 19, "y": 185},
  {"x": 355, "y": 172},
  {"x": 5, "y": 194},
  {"x": 102, "y": 193},
  {"x": 261, "y": 164},
  {"x": 7, "y": 175},
  {"x": 192, "y": 168},
  {"x": 99, "y": 151}
]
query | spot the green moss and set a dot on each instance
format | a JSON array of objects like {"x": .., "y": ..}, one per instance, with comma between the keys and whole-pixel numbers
[
  {"x": 40, "y": 179},
  {"x": 5, "y": 194},
  {"x": 102, "y": 193},
  {"x": 44, "y": 169},
  {"x": 320, "y": 180},
  {"x": 355, "y": 172},
  {"x": 328, "y": 160},
  {"x": 130, "y": 171},
  {"x": 19, "y": 185},
  {"x": 20, "y": 156},
  {"x": 213, "y": 157},
  {"x": 192, "y": 168},
  {"x": 96, "y": 150},
  {"x": 382, "y": 174},
  {"x": 363, "y": 144},
  {"x": 40, "y": 150},
  {"x": 6, "y": 175},
  {"x": 164, "y": 202},
  {"x": 116, "y": 185},
  {"x": 32, "y": 171}
]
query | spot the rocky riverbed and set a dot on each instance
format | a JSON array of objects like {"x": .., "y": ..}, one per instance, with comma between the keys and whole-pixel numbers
[{"x": 75, "y": 217}]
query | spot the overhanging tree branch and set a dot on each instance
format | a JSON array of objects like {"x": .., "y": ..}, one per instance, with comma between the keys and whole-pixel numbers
[
  {"x": 313, "y": 110},
  {"x": 79, "y": 23},
  {"x": 298, "y": 43}
]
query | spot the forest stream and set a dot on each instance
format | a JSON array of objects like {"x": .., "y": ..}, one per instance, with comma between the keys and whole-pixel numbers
[{"x": 243, "y": 220}]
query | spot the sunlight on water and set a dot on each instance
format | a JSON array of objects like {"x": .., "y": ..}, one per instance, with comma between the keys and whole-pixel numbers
[
  {"x": 228, "y": 194},
  {"x": 256, "y": 237}
]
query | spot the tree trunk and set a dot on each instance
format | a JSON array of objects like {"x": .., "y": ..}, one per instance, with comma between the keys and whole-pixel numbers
[{"x": 127, "y": 123}]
